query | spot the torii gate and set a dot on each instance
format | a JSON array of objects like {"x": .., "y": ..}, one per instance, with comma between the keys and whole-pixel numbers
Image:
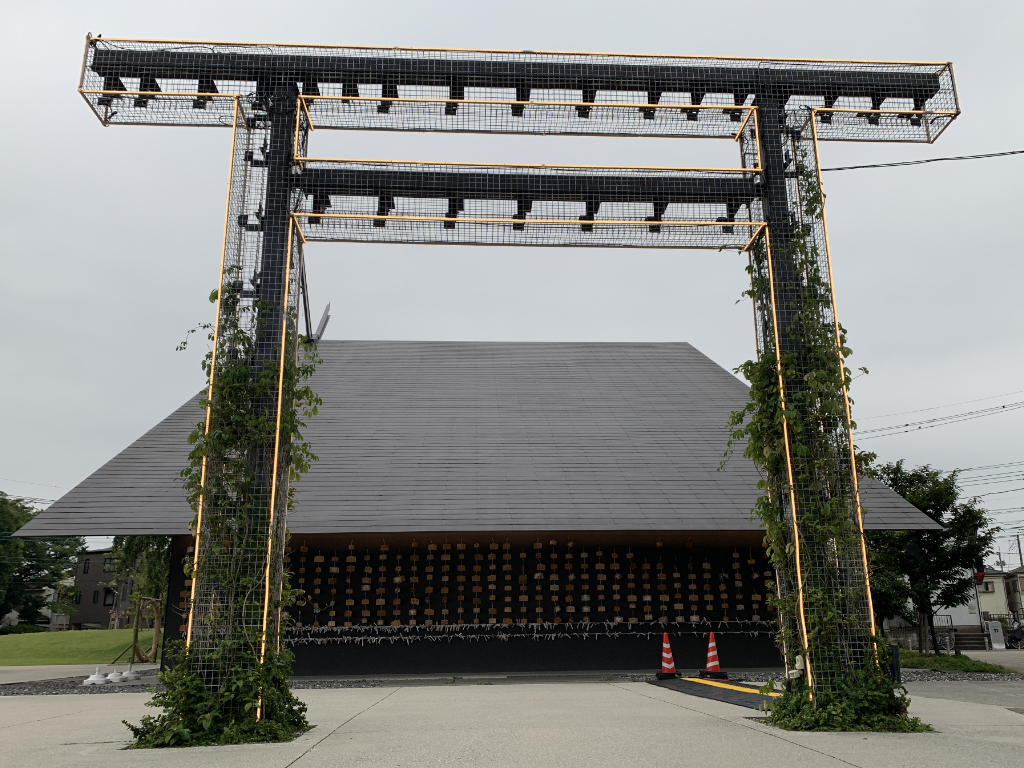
[{"x": 279, "y": 197}]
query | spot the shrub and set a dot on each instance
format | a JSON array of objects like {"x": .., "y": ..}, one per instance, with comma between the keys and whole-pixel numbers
[
  {"x": 254, "y": 705},
  {"x": 21, "y": 629}
]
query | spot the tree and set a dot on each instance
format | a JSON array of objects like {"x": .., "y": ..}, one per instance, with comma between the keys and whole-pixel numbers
[
  {"x": 928, "y": 568},
  {"x": 144, "y": 561},
  {"x": 12, "y": 517},
  {"x": 30, "y": 567}
]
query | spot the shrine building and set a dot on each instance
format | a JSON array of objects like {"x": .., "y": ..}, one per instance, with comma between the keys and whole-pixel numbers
[{"x": 497, "y": 507}]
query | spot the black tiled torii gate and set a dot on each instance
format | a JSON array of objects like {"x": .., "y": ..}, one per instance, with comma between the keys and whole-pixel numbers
[{"x": 279, "y": 197}]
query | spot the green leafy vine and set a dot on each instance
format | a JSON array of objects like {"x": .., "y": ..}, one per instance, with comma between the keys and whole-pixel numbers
[
  {"x": 231, "y": 686},
  {"x": 796, "y": 431}
]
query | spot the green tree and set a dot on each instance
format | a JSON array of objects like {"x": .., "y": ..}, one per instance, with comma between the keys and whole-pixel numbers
[
  {"x": 29, "y": 567},
  {"x": 934, "y": 568},
  {"x": 144, "y": 562}
]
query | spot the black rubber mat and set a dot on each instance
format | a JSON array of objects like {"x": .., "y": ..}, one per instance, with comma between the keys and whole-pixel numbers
[{"x": 749, "y": 697}]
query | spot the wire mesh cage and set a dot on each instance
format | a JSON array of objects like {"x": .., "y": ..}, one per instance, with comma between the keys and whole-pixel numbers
[
  {"x": 816, "y": 486},
  {"x": 420, "y": 89},
  {"x": 777, "y": 110},
  {"x": 242, "y": 512},
  {"x": 462, "y": 203}
]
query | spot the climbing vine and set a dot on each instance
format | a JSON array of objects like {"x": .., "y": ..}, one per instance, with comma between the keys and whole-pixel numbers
[
  {"x": 231, "y": 684},
  {"x": 253, "y": 705},
  {"x": 796, "y": 431},
  {"x": 868, "y": 700}
]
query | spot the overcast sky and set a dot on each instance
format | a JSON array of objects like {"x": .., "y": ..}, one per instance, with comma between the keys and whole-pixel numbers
[{"x": 111, "y": 236}]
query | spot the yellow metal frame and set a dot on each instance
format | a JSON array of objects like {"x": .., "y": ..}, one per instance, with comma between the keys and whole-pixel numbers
[
  {"x": 506, "y": 103},
  {"x": 304, "y": 159},
  {"x": 921, "y": 112},
  {"x": 468, "y": 220},
  {"x": 512, "y": 103},
  {"x": 846, "y": 396},
  {"x": 213, "y": 362},
  {"x": 86, "y": 92},
  {"x": 761, "y": 226},
  {"x": 89, "y": 40},
  {"x": 789, "y": 473},
  {"x": 303, "y": 107},
  {"x": 277, "y": 441}
]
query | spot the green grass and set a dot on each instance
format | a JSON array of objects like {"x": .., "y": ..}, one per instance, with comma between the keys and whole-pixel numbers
[
  {"x": 946, "y": 662},
  {"x": 94, "y": 646}
]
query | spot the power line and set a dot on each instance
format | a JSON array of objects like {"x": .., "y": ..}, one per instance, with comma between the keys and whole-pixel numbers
[
  {"x": 26, "y": 482},
  {"x": 992, "y": 482},
  {"x": 922, "y": 162},
  {"x": 999, "y": 477},
  {"x": 940, "y": 421},
  {"x": 936, "y": 407},
  {"x": 994, "y": 493},
  {"x": 991, "y": 466},
  {"x": 992, "y": 477},
  {"x": 31, "y": 499}
]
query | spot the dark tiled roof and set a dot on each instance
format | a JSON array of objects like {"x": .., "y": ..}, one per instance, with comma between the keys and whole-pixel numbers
[{"x": 473, "y": 436}]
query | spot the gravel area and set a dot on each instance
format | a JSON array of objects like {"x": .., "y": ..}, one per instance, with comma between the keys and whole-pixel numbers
[
  {"x": 909, "y": 676},
  {"x": 299, "y": 685},
  {"x": 149, "y": 682},
  {"x": 929, "y": 675},
  {"x": 758, "y": 677},
  {"x": 74, "y": 685}
]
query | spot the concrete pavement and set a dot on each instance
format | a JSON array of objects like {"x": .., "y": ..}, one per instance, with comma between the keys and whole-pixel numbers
[{"x": 563, "y": 724}]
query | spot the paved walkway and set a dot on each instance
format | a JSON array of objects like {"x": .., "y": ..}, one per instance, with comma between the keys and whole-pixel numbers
[{"x": 554, "y": 725}]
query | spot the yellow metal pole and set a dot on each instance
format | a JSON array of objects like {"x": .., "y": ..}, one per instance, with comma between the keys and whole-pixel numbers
[{"x": 213, "y": 361}]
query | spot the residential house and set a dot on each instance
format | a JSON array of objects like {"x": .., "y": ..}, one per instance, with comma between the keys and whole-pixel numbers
[
  {"x": 992, "y": 595},
  {"x": 97, "y": 605},
  {"x": 1014, "y": 585},
  {"x": 958, "y": 626}
]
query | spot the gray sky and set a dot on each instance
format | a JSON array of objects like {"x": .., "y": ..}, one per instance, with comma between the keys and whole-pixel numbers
[{"x": 111, "y": 237}]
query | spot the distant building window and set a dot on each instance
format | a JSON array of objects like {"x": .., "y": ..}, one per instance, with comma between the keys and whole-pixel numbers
[
  {"x": 108, "y": 564},
  {"x": 988, "y": 586},
  {"x": 108, "y": 597},
  {"x": 85, "y": 567},
  {"x": 78, "y": 599},
  {"x": 95, "y": 595}
]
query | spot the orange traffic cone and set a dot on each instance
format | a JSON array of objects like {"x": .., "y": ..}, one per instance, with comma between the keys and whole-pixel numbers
[
  {"x": 668, "y": 665},
  {"x": 712, "y": 670}
]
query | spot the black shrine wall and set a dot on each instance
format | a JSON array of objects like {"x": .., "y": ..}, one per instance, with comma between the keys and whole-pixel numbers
[
  {"x": 419, "y": 606},
  {"x": 490, "y": 628},
  {"x": 452, "y": 655}
]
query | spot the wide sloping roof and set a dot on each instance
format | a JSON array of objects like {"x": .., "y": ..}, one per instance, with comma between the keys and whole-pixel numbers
[{"x": 482, "y": 436}]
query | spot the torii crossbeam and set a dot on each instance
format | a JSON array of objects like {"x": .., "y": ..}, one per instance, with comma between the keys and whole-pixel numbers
[{"x": 280, "y": 197}]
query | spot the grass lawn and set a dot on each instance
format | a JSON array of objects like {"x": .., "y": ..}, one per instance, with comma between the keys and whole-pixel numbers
[
  {"x": 946, "y": 662},
  {"x": 93, "y": 646}
]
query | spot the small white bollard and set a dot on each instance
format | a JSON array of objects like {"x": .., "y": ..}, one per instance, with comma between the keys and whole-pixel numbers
[
  {"x": 115, "y": 677},
  {"x": 130, "y": 675},
  {"x": 95, "y": 678},
  {"x": 995, "y": 633}
]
